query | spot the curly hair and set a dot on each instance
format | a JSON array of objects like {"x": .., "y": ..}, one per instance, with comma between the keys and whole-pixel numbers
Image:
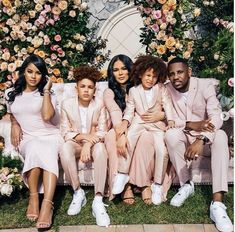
[
  {"x": 20, "y": 84},
  {"x": 119, "y": 92},
  {"x": 146, "y": 62},
  {"x": 87, "y": 72}
]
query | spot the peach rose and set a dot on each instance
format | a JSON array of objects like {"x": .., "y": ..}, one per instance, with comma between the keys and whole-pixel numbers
[
  {"x": 63, "y": 5},
  {"x": 161, "y": 49},
  {"x": 170, "y": 42}
]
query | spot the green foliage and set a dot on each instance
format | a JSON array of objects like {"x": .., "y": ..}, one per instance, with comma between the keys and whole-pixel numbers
[{"x": 213, "y": 52}]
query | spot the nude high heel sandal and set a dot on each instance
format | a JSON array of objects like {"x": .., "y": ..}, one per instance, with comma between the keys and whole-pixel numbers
[
  {"x": 32, "y": 212},
  {"x": 45, "y": 224}
]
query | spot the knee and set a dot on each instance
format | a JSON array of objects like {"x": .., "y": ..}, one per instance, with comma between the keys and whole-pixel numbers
[
  {"x": 220, "y": 136},
  {"x": 99, "y": 152},
  {"x": 172, "y": 136},
  {"x": 67, "y": 151}
]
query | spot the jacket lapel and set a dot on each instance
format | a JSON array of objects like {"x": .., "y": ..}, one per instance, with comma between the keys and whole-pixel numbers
[
  {"x": 191, "y": 95},
  {"x": 77, "y": 118}
]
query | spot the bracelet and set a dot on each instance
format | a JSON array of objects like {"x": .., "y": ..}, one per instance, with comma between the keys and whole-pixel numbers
[{"x": 46, "y": 91}]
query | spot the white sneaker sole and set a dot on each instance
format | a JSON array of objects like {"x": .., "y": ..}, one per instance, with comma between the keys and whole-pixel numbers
[
  {"x": 118, "y": 192},
  {"x": 219, "y": 228},
  {"x": 84, "y": 201},
  {"x": 93, "y": 213},
  {"x": 178, "y": 205}
]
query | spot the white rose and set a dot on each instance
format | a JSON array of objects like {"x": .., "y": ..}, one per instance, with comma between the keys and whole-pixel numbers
[
  {"x": 6, "y": 189},
  {"x": 83, "y": 6}
]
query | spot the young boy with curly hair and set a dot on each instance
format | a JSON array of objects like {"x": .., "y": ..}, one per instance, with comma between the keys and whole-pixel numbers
[{"x": 83, "y": 126}]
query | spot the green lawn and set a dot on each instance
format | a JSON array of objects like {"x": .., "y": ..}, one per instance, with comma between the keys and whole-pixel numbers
[{"x": 195, "y": 210}]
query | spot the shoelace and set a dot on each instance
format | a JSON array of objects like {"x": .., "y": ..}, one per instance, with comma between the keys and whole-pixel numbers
[{"x": 185, "y": 188}]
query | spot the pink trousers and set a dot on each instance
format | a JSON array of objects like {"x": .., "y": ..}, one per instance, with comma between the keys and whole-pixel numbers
[
  {"x": 177, "y": 142},
  {"x": 69, "y": 155}
]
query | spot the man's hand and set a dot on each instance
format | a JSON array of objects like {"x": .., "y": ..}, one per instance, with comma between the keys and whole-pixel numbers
[
  {"x": 86, "y": 152},
  {"x": 194, "y": 150},
  {"x": 200, "y": 126},
  {"x": 122, "y": 144},
  {"x": 16, "y": 134},
  {"x": 152, "y": 117}
]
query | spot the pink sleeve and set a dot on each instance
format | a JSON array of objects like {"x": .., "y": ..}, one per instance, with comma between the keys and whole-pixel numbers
[{"x": 112, "y": 107}]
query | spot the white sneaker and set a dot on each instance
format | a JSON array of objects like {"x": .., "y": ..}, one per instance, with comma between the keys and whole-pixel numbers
[
  {"x": 156, "y": 194},
  {"x": 100, "y": 214},
  {"x": 184, "y": 192},
  {"x": 79, "y": 200},
  {"x": 219, "y": 216},
  {"x": 120, "y": 180}
]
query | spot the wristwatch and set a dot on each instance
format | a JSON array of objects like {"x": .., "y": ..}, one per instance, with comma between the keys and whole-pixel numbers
[{"x": 203, "y": 138}]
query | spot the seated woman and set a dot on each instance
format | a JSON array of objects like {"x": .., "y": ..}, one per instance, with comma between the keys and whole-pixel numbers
[
  {"x": 115, "y": 98},
  {"x": 83, "y": 126},
  {"x": 32, "y": 108}
]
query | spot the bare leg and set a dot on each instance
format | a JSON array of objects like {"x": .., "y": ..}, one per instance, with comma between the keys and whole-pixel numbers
[
  {"x": 49, "y": 184},
  {"x": 33, "y": 206},
  {"x": 218, "y": 196}
]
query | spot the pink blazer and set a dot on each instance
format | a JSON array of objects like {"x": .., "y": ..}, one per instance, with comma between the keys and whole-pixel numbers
[
  {"x": 114, "y": 110},
  {"x": 202, "y": 104},
  {"x": 137, "y": 105},
  {"x": 71, "y": 122}
]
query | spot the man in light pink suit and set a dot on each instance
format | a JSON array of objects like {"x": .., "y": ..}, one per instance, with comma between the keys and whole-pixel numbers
[
  {"x": 83, "y": 126},
  {"x": 198, "y": 117}
]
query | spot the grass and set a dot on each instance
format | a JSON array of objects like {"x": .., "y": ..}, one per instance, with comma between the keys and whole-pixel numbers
[{"x": 195, "y": 210}]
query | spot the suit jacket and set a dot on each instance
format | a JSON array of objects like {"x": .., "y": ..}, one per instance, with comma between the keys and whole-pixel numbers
[
  {"x": 71, "y": 122},
  {"x": 137, "y": 105},
  {"x": 202, "y": 104}
]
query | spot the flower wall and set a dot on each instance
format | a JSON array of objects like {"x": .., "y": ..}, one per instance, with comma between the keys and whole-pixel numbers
[
  {"x": 200, "y": 31},
  {"x": 56, "y": 30}
]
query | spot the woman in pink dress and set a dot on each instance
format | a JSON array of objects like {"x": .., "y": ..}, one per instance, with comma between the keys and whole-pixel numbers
[{"x": 31, "y": 105}]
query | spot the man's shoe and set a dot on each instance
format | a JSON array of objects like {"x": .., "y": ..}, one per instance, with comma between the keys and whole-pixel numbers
[
  {"x": 184, "y": 192},
  {"x": 79, "y": 200},
  {"x": 219, "y": 216},
  {"x": 156, "y": 194},
  {"x": 100, "y": 214},
  {"x": 119, "y": 183}
]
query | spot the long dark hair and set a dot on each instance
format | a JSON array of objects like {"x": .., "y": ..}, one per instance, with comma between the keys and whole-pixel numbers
[
  {"x": 20, "y": 84},
  {"x": 119, "y": 93}
]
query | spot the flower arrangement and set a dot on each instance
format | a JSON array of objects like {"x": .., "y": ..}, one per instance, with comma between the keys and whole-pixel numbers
[
  {"x": 56, "y": 30},
  {"x": 10, "y": 177},
  {"x": 168, "y": 27},
  {"x": 201, "y": 31}
]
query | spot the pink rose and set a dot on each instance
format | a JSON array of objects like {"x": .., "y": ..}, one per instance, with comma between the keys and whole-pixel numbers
[
  {"x": 57, "y": 38},
  {"x": 54, "y": 47},
  {"x": 157, "y": 14},
  {"x": 53, "y": 56},
  {"x": 231, "y": 82}
]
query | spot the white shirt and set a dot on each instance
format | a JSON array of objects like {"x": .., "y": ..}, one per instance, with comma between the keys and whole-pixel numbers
[
  {"x": 83, "y": 116},
  {"x": 149, "y": 96},
  {"x": 185, "y": 97}
]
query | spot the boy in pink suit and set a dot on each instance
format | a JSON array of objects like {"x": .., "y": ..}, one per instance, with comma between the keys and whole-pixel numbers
[
  {"x": 198, "y": 115},
  {"x": 148, "y": 95},
  {"x": 83, "y": 126}
]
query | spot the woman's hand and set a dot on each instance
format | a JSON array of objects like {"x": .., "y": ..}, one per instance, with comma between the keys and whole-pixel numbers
[
  {"x": 152, "y": 117},
  {"x": 171, "y": 124},
  {"x": 121, "y": 128},
  {"x": 122, "y": 145},
  {"x": 16, "y": 134},
  {"x": 91, "y": 138},
  {"x": 48, "y": 85}
]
